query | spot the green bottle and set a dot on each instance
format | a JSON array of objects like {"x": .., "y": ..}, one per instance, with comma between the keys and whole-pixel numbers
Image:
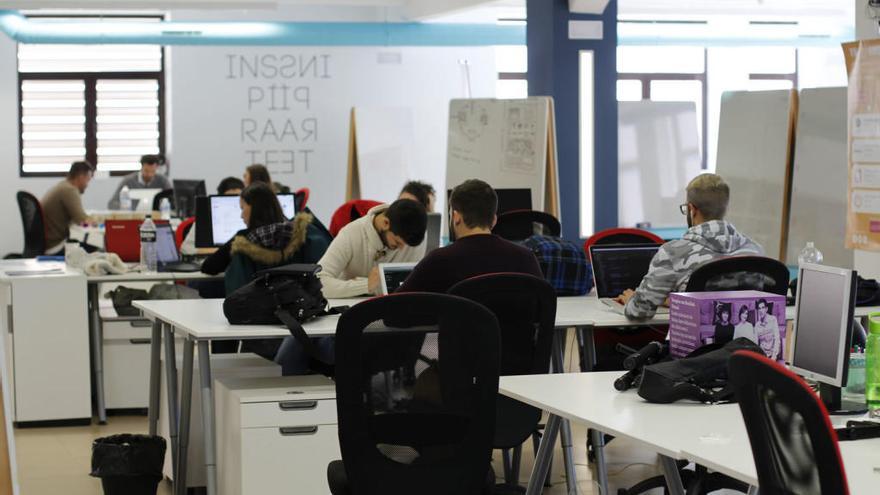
[{"x": 872, "y": 365}]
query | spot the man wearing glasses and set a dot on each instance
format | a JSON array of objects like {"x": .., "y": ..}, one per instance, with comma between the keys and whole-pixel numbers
[{"x": 708, "y": 238}]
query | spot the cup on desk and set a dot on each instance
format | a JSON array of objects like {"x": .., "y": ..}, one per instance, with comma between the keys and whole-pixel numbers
[{"x": 69, "y": 249}]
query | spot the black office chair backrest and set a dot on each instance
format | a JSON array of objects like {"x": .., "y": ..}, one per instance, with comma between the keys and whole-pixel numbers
[
  {"x": 157, "y": 199},
  {"x": 439, "y": 442},
  {"x": 525, "y": 306},
  {"x": 793, "y": 442},
  {"x": 33, "y": 223},
  {"x": 741, "y": 273},
  {"x": 518, "y": 225}
]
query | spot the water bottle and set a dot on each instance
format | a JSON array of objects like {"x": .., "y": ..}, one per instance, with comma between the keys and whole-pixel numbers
[
  {"x": 149, "y": 253},
  {"x": 165, "y": 209},
  {"x": 810, "y": 254},
  {"x": 872, "y": 365},
  {"x": 125, "y": 199}
]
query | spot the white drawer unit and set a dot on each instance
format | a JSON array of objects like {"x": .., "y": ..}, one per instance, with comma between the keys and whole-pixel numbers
[
  {"x": 222, "y": 366},
  {"x": 127, "y": 363},
  {"x": 275, "y": 435}
]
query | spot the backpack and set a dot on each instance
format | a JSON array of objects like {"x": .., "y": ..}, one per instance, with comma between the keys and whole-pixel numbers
[
  {"x": 701, "y": 376},
  {"x": 563, "y": 263},
  {"x": 294, "y": 290}
]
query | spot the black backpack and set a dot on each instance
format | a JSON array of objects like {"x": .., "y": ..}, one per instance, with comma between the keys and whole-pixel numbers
[
  {"x": 273, "y": 294},
  {"x": 701, "y": 376}
]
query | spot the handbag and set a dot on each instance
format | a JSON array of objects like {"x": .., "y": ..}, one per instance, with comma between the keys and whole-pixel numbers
[{"x": 563, "y": 263}]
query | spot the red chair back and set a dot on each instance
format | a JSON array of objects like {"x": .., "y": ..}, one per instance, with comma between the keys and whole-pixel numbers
[
  {"x": 349, "y": 212},
  {"x": 301, "y": 196},
  {"x": 183, "y": 230},
  {"x": 622, "y": 236}
]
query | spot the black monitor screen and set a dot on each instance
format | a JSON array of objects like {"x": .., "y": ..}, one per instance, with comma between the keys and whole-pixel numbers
[
  {"x": 620, "y": 267},
  {"x": 395, "y": 277},
  {"x": 185, "y": 194}
]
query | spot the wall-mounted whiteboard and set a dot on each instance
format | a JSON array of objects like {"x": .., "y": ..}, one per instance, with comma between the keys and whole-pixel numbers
[
  {"x": 507, "y": 143},
  {"x": 658, "y": 154},
  {"x": 818, "y": 184},
  {"x": 755, "y": 136},
  {"x": 383, "y": 141}
]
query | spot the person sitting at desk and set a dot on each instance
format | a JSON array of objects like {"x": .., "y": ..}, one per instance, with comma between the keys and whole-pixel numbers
[
  {"x": 709, "y": 237},
  {"x": 421, "y": 192},
  {"x": 475, "y": 250},
  {"x": 62, "y": 205},
  {"x": 147, "y": 178},
  {"x": 259, "y": 173},
  {"x": 386, "y": 234},
  {"x": 230, "y": 186}
]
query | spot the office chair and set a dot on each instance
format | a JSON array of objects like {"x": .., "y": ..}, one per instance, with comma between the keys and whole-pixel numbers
[
  {"x": 34, "y": 225},
  {"x": 182, "y": 230},
  {"x": 793, "y": 443},
  {"x": 441, "y": 441},
  {"x": 525, "y": 306},
  {"x": 349, "y": 212},
  {"x": 519, "y": 225},
  {"x": 301, "y": 199},
  {"x": 166, "y": 194},
  {"x": 621, "y": 236},
  {"x": 741, "y": 273}
]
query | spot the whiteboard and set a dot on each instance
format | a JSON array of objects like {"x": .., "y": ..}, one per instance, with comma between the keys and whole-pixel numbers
[
  {"x": 658, "y": 154},
  {"x": 503, "y": 142},
  {"x": 754, "y": 149},
  {"x": 385, "y": 142},
  {"x": 818, "y": 189}
]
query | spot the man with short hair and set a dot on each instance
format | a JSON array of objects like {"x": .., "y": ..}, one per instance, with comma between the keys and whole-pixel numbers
[
  {"x": 708, "y": 238},
  {"x": 421, "y": 192},
  {"x": 475, "y": 250},
  {"x": 386, "y": 234},
  {"x": 147, "y": 178},
  {"x": 62, "y": 205}
]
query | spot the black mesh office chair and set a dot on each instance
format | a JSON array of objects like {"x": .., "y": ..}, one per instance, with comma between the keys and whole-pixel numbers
[
  {"x": 439, "y": 441},
  {"x": 526, "y": 310},
  {"x": 157, "y": 199},
  {"x": 34, "y": 225},
  {"x": 741, "y": 273},
  {"x": 793, "y": 443},
  {"x": 519, "y": 225}
]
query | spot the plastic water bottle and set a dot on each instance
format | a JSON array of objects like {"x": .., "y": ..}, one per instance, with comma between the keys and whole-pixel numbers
[
  {"x": 872, "y": 365},
  {"x": 149, "y": 253},
  {"x": 810, "y": 254},
  {"x": 125, "y": 199},
  {"x": 165, "y": 209}
]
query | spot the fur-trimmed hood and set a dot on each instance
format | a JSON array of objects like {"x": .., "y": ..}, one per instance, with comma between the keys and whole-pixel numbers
[{"x": 269, "y": 256}]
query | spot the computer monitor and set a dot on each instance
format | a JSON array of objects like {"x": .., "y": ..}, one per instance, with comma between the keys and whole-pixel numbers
[
  {"x": 618, "y": 267},
  {"x": 185, "y": 194},
  {"x": 225, "y": 216},
  {"x": 142, "y": 199},
  {"x": 823, "y": 331}
]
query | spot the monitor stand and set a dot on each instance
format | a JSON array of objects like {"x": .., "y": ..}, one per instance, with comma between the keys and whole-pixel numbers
[{"x": 831, "y": 397}]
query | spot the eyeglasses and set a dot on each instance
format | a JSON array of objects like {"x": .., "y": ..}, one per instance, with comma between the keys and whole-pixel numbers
[{"x": 683, "y": 208}]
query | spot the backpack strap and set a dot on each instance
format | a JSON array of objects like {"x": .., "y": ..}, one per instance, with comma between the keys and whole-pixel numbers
[{"x": 298, "y": 332}]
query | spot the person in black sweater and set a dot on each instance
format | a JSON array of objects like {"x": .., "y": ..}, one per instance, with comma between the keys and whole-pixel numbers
[{"x": 475, "y": 250}]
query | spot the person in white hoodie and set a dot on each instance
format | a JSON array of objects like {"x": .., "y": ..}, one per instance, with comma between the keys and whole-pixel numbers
[
  {"x": 708, "y": 238},
  {"x": 386, "y": 234}
]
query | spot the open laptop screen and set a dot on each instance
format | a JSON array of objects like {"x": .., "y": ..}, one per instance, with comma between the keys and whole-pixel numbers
[
  {"x": 165, "y": 244},
  {"x": 617, "y": 268},
  {"x": 393, "y": 275}
]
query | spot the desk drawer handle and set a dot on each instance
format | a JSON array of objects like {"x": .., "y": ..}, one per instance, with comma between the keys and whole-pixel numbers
[
  {"x": 139, "y": 341},
  {"x": 141, "y": 323},
  {"x": 289, "y": 431},
  {"x": 298, "y": 405}
]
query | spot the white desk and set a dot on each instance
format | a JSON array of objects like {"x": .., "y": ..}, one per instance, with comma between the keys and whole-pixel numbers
[{"x": 713, "y": 436}]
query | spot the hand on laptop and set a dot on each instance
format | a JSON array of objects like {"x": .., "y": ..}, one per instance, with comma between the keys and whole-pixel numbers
[
  {"x": 625, "y": 297},
  {"x": 373, "y": 281}
]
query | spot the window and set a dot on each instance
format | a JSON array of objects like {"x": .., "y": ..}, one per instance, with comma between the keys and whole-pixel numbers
[{"x": 104, "y": 103}]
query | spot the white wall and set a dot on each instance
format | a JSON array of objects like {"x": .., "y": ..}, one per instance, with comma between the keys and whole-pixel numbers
[{"x": 206, "y": 110}]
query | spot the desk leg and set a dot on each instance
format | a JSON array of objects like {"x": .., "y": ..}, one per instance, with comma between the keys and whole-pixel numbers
[
  {"x": 155, "y": 376},
  {"x": 599, "y": 451},
  {"x": 567, "y": 449},
  {"x": 208, "y": 419},
  {"x": 753, "y": 490},
  {"x": 673, "y": 477},
  {"x": 185, "y": 415},
  {"x": 97, "y": 351},
  {"x": 588, "y": 346},
  {"x": 171, "y": 389},
  {"x": 544, "y": 456}
]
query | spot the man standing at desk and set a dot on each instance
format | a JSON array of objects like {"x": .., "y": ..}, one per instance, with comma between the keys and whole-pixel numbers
[
  {"x": 708, "y": 238},
  {"x": 147, "y": 178},
  {"x": 62, "y": 205}
]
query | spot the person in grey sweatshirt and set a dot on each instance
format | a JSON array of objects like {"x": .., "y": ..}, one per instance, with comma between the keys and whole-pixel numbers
[{"x": 708, "y": 238}]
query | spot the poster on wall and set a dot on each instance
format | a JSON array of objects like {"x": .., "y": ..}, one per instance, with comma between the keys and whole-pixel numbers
[{"x": 863, "y": 138}]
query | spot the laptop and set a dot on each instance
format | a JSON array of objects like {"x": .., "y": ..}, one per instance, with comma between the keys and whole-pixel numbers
[
  {"x": 618, "y": 267},
  {"x": 168, "y": 255},
  {"x": 393, "y": 275},
  {"x": 123, "y": 238},
  {"x": 432, "y": 233}
]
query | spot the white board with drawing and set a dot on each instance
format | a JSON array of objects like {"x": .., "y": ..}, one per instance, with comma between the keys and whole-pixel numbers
[
  {"x": 818, "y": 184},
  {"x": 754, "y": 156},
  {"x": 503, "y": 142},
  {"x": 385, "y": 142},
  {"x": 658, "y": 154}
]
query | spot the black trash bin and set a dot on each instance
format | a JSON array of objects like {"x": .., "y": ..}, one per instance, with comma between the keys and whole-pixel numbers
[{"x": 128, "y": 464}]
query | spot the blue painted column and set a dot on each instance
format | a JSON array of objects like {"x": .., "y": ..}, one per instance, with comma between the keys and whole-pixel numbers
[{"x": 553, "y": 71}]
